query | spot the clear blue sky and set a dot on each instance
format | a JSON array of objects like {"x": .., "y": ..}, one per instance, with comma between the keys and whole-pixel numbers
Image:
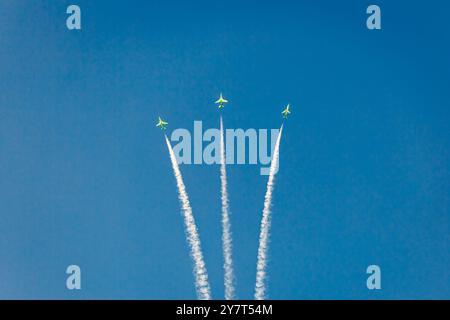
[{"x": 364, "y": 173}]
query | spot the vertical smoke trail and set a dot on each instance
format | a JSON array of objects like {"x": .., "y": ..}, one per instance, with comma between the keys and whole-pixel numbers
[
  {"x": 200, "y": 273},
  {"x": 260, "y": 287},
  {"x": 227, "y": 245}
]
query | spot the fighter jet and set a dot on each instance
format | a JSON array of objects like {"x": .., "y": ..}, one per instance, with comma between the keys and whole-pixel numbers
[
  {"x": 221, "y": 101},
  {"x": 162, "y": 124},
  {"x": 286, "y": 112}
]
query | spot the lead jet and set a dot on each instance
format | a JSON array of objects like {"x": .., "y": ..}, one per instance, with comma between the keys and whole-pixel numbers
[
  {"x": 221, "y": 101},
  {"x": 162, "y": 124},
  {"x": 286, "y": 112}
]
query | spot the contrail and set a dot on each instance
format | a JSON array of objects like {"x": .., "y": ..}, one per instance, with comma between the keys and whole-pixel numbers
[
  {"x": 227, "y": 244},
  {"x": 200, "y": 273},
  {"x": 260, "y": 287}
]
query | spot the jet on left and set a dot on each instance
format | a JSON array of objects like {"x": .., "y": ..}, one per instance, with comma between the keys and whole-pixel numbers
[{"x": 162, "y": 124}]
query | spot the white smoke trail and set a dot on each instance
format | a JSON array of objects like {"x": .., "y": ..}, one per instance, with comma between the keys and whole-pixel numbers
[
  {"x": 200, "y": 273},
  {"x": 260, "y": 287},
  {"x": 227, "y": 245}
]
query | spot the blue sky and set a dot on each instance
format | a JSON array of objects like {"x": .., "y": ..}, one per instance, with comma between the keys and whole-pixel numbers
[{"x": 85, "y": 177}]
